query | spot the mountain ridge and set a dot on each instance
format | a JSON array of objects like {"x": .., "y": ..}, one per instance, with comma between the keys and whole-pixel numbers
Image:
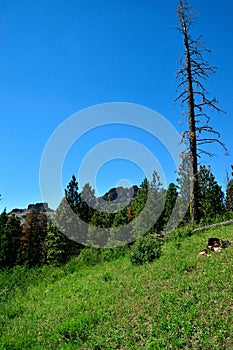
[{"x": 118, "y": 196}]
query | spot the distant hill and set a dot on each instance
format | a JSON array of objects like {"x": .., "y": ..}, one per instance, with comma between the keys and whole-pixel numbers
[
  {"x": 119, "y": 197},
  {"x": 121, "y": 194}
]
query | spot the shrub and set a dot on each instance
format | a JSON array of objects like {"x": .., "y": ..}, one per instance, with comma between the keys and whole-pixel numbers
[
  {"x": 145, "y": 250},
  {"x": 89, "y": 256}
]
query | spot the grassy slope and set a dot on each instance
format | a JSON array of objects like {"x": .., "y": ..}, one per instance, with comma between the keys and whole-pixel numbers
[{"x": 181, "y": 301}]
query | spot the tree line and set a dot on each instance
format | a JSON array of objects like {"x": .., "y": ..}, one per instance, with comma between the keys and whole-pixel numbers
[{"x": 38, "y": 241}]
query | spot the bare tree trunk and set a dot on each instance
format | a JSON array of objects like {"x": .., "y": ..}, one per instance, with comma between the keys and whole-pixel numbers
[
  {"x": 194, "y": 201},
  {"x": 194, "y": 70}
]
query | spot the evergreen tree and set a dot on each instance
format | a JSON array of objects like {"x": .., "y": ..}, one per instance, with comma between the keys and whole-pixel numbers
[
  {"x": 210, "y": 194},
  {"x": 33, "y": 237},
  {"x": 99, "y": 228},
  {"x": 121, "y": 231},
  {"x": 165, "y": 217},
  {"x": 184, "y": 211},
  {"x": 3, "y": 219},
  {"x": 148, "y": 206},
  {"x": 68, "y": 224},
  {"x": 3, "y": 239},
  {"x": 57, "y": 246},
  {"x": 68, "y": 216},
  {"x": 87, "y": 203},
  {"x": 171, "y": 197},
  {"x": 229, "y": 194},
  {"x": 72, "y": 194},
  {"x": 10, "y": 232},
  {"x": 121, "y": 218},
  {"x": 140, "y": 199},
  {"x": 183, "y": 179}
]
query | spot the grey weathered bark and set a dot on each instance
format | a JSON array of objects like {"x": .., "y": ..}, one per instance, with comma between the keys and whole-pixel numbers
[
  {"x": 194, "y": 69},
  {"x": 208, "y": 227}
]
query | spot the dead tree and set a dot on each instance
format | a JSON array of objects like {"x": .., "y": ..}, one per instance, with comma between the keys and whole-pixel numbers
[{"x": 193, "y": 71}]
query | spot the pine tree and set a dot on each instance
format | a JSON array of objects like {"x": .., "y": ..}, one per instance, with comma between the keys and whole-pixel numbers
[
  {"x": 3, "y": 219},
  {"x": 140, "y": 199},
  {"x": 68, "y": 224},
  {"x": 165, "y": 217},
  {"x": 100, "y": 228},
  {"x": 148, "y": 206},
  {"x": 121, "y": 231},
  {"x": 33, "y": 237},
  {"x": 183, "y": 180},
  {"x": 57, "y": 246},
  {"x": 68, "y": 217},
  {"x": 229, "y": 194},
  {"x": 10, "y": 232},
  {"x": 210, "y": 194},
  {"x": 72, "y": 194},
  {"x": 87, "y": 203}
]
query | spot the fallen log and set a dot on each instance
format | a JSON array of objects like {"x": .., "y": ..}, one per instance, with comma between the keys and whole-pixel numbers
[{"x": 207, "y": 227}]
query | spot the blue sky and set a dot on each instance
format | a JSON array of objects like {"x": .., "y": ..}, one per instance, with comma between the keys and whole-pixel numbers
[{"x": 59, "y": 57}]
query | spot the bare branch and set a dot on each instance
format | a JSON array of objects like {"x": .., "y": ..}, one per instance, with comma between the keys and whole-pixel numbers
[
  {"x": 213, "y": 140},
  {"x": 195, "y": 69},
  {"x": 181, "y": 95},
  {"x": 209, "y": 154}
]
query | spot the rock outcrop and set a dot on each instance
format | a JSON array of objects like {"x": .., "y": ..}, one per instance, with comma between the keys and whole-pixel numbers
[
  {"x": 37, "y": 208},
  {"x": 119, "y": 197}
]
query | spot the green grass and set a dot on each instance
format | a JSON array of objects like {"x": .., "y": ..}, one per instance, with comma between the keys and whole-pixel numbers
[{"x": 181, "y": 301}]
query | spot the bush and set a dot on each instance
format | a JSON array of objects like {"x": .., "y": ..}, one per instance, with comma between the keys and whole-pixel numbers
[
  {"x": 89, "y": 256},
  {"x": 145, "y": 250}
]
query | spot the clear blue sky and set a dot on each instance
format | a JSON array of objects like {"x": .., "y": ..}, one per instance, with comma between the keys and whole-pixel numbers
[{"x": 58, "y": 57}]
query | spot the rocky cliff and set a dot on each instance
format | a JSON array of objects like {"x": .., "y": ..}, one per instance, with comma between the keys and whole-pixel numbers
[
  {"x": 118, "y": 197},
  {"x": 36, "y": 208}
]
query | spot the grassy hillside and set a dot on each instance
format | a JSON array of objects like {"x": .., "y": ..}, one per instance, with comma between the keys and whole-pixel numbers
[{"x": 181, "y": 301}]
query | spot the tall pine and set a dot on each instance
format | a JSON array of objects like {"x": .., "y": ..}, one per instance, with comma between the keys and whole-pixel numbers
[
  {"x": 229, "y": 194},
  {"x": 210, "y": 194},
  {"x": 67, "y": 218},
  {"x": 148, "y": 206},
  {"x": 10, "y": 233},
  {"x": 33, "y": 237}
]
